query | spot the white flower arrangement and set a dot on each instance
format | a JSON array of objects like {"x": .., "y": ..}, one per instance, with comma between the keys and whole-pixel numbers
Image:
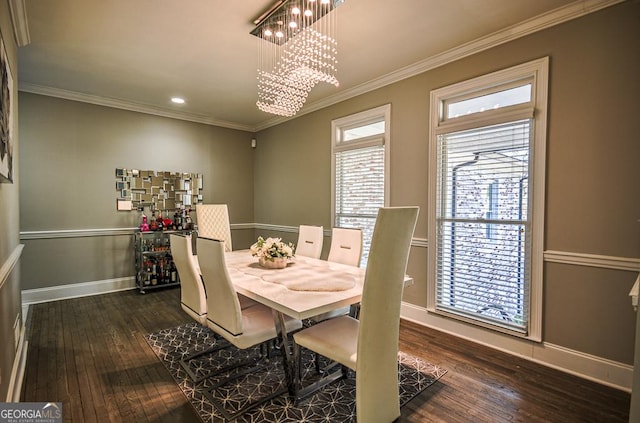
[{"x": 271, "y": 248}]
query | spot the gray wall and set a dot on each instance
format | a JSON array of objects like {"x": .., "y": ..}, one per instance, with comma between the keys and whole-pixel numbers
[
  {"x": 10, "y": 300},
  {"x": 70, "y": 154},
  {"x": 592, "y": 193},
  {"x": 70, "y": 150}
]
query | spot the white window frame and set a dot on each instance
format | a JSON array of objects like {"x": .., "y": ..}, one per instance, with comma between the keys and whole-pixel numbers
[
  {"x": 537, "y": 72},
  {"x": 338, "y": 144}
]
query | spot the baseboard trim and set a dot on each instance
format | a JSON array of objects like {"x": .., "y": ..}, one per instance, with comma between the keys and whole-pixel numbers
[
  {"x": 597, "y": 369},
  {"x": 84, "y": 289},
  {"x": 18, "y": 369}
]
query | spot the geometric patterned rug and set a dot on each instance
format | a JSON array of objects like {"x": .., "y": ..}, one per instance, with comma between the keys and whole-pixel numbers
[{"x": 335, "y": 402}]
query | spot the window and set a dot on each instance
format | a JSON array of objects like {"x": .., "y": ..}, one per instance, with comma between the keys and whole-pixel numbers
[
  {"x": 360, "y": 171},
  {"x": 487, "y": 153}
]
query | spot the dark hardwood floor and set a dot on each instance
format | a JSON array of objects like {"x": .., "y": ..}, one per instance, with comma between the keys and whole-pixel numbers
[{"x": 89, "y": 353}]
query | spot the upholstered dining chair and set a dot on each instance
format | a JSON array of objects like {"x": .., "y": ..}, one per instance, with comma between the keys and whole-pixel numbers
[
  {"x": 369, "y": 346},
  {"x": 310, "y": 241},
  {"x": 244, "y": 328},
  {"x": 213, "y": 222},
  {"x": 346, "y": 246},
  {"x": 193, "y": 298}
]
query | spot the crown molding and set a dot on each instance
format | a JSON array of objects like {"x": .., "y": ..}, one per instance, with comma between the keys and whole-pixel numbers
[
  {"x": 546, "y": 20},
  {"x": 18, "y": 10},
  {"x": 127, "y": 105}
]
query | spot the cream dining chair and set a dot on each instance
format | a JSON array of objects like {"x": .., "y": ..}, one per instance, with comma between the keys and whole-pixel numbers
[
  {"x": 244, "y": 328},
  {"x": 346, "y": 246},
  {"x": 369, "y": 346},
  {"x": 213, "y": 222},
  {"x": 193, "y": 298},
  {"x": 309, "y": 241}
]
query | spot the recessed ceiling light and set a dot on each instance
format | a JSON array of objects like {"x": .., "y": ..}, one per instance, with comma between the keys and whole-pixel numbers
[{"x": 177, "y": 100}]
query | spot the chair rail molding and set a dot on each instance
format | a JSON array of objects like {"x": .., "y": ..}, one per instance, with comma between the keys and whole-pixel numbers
[
  {"x": 593, "y": 260},
  {"x": 76, "y": 233},
  {"x": 10, "y": 263}
]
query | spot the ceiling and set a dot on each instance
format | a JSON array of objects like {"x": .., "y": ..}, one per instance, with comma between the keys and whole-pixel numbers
[{"x": 137, "y": 54}]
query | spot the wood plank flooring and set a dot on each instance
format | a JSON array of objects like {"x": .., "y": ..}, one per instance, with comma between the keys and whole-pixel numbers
[{"x": 89, "y": 353}]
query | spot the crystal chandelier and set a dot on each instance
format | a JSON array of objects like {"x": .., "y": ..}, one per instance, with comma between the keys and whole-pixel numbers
[{"x": 297, "y": 49}]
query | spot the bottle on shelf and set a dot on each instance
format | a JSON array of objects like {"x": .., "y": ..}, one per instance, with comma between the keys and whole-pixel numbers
[
  {"x": 160, "y": 221},
  {"x": 147, "y": 272},
  {"x": 188, "y": 225},
  {"x": 154, "y": 272},
  {"x": 154, "y": 222},
  {"x": 178, "y": 220},
  {"x": 173, "y": 273},
  {"x": 144, "y": 226}
]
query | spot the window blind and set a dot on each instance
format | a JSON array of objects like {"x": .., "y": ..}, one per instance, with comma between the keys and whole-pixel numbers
[
  {"x": 483, "y": 224},
  {"x": 359, "y": 185}
]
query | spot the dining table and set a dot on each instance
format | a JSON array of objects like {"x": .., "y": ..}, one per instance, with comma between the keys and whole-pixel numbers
[{"x": 305, "y": 288}]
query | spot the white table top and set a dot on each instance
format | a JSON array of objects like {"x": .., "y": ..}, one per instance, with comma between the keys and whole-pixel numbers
[{"x": 268, "y": 286}]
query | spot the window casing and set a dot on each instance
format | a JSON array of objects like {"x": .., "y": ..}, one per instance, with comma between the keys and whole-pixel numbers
[
  {"x": 360, "y": 171},
  {"x": 486, "y": 184}
]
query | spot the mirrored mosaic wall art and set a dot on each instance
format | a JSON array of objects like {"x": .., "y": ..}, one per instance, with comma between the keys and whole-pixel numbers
[{"x": 157, "y": 190}]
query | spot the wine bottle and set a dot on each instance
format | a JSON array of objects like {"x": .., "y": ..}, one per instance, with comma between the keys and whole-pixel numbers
[
  {"x": 160, "y": 221},
  {"x": 154, "y": 222},
  {"x": 174, "y": 272}
]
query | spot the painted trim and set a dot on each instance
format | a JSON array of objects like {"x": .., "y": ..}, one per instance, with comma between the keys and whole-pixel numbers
[
  {"x": 79, "y": 233},
  {"x": 554, "y": 17},
  {"x": 76, "y": 233},
  {"x": 119, "y": 103},
  {"x": 18, "y": 369},
  {"x": 420, "y": 242},
  {"x": 593, "y": 260},
  {"x": 607, "y": 372},
  {"x": 18, "y": 10},
  {"x": 9, "y": 264},
  {"x": 563, "y": 257},
  {"x": 83, "y": 289}
]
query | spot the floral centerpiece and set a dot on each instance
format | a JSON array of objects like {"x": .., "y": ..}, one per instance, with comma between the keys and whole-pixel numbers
[{"x": 272, "y": 252}]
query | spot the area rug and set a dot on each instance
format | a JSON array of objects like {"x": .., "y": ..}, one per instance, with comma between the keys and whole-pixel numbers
[{"x": 335, "y": 402}]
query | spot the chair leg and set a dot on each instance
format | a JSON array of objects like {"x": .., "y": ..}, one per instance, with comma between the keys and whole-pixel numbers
[
  {"x": 303, "y": 392},
  {"x": 257, "y": 367},
  {"x": 297, "y": 360},
  {"x": 185, "y": 362}
]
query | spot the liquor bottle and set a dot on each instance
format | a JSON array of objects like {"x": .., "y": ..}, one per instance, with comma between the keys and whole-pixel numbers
[
  {"x": 161, "y": 271},
  {"x": 147, "y": 273},
  {"x": 167, "y": 268},
  {"x": 178, "y": 221},
  {"x": 154, "y": 273},
  {"x": 174, "y": 272},
  {"x": 154, "y": 222},
  {"x": 188, "y": 225},
  {"x": 144, "y": 226},
  {"x": 160, "y": 221}
]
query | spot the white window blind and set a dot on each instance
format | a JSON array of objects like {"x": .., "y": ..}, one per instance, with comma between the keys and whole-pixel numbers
[
  {"x": 486, "y": 190},
  {"x": 359, "y": 193},
  {"x": 360, "y": 171},
  {"x": 482, "y": 224}
]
